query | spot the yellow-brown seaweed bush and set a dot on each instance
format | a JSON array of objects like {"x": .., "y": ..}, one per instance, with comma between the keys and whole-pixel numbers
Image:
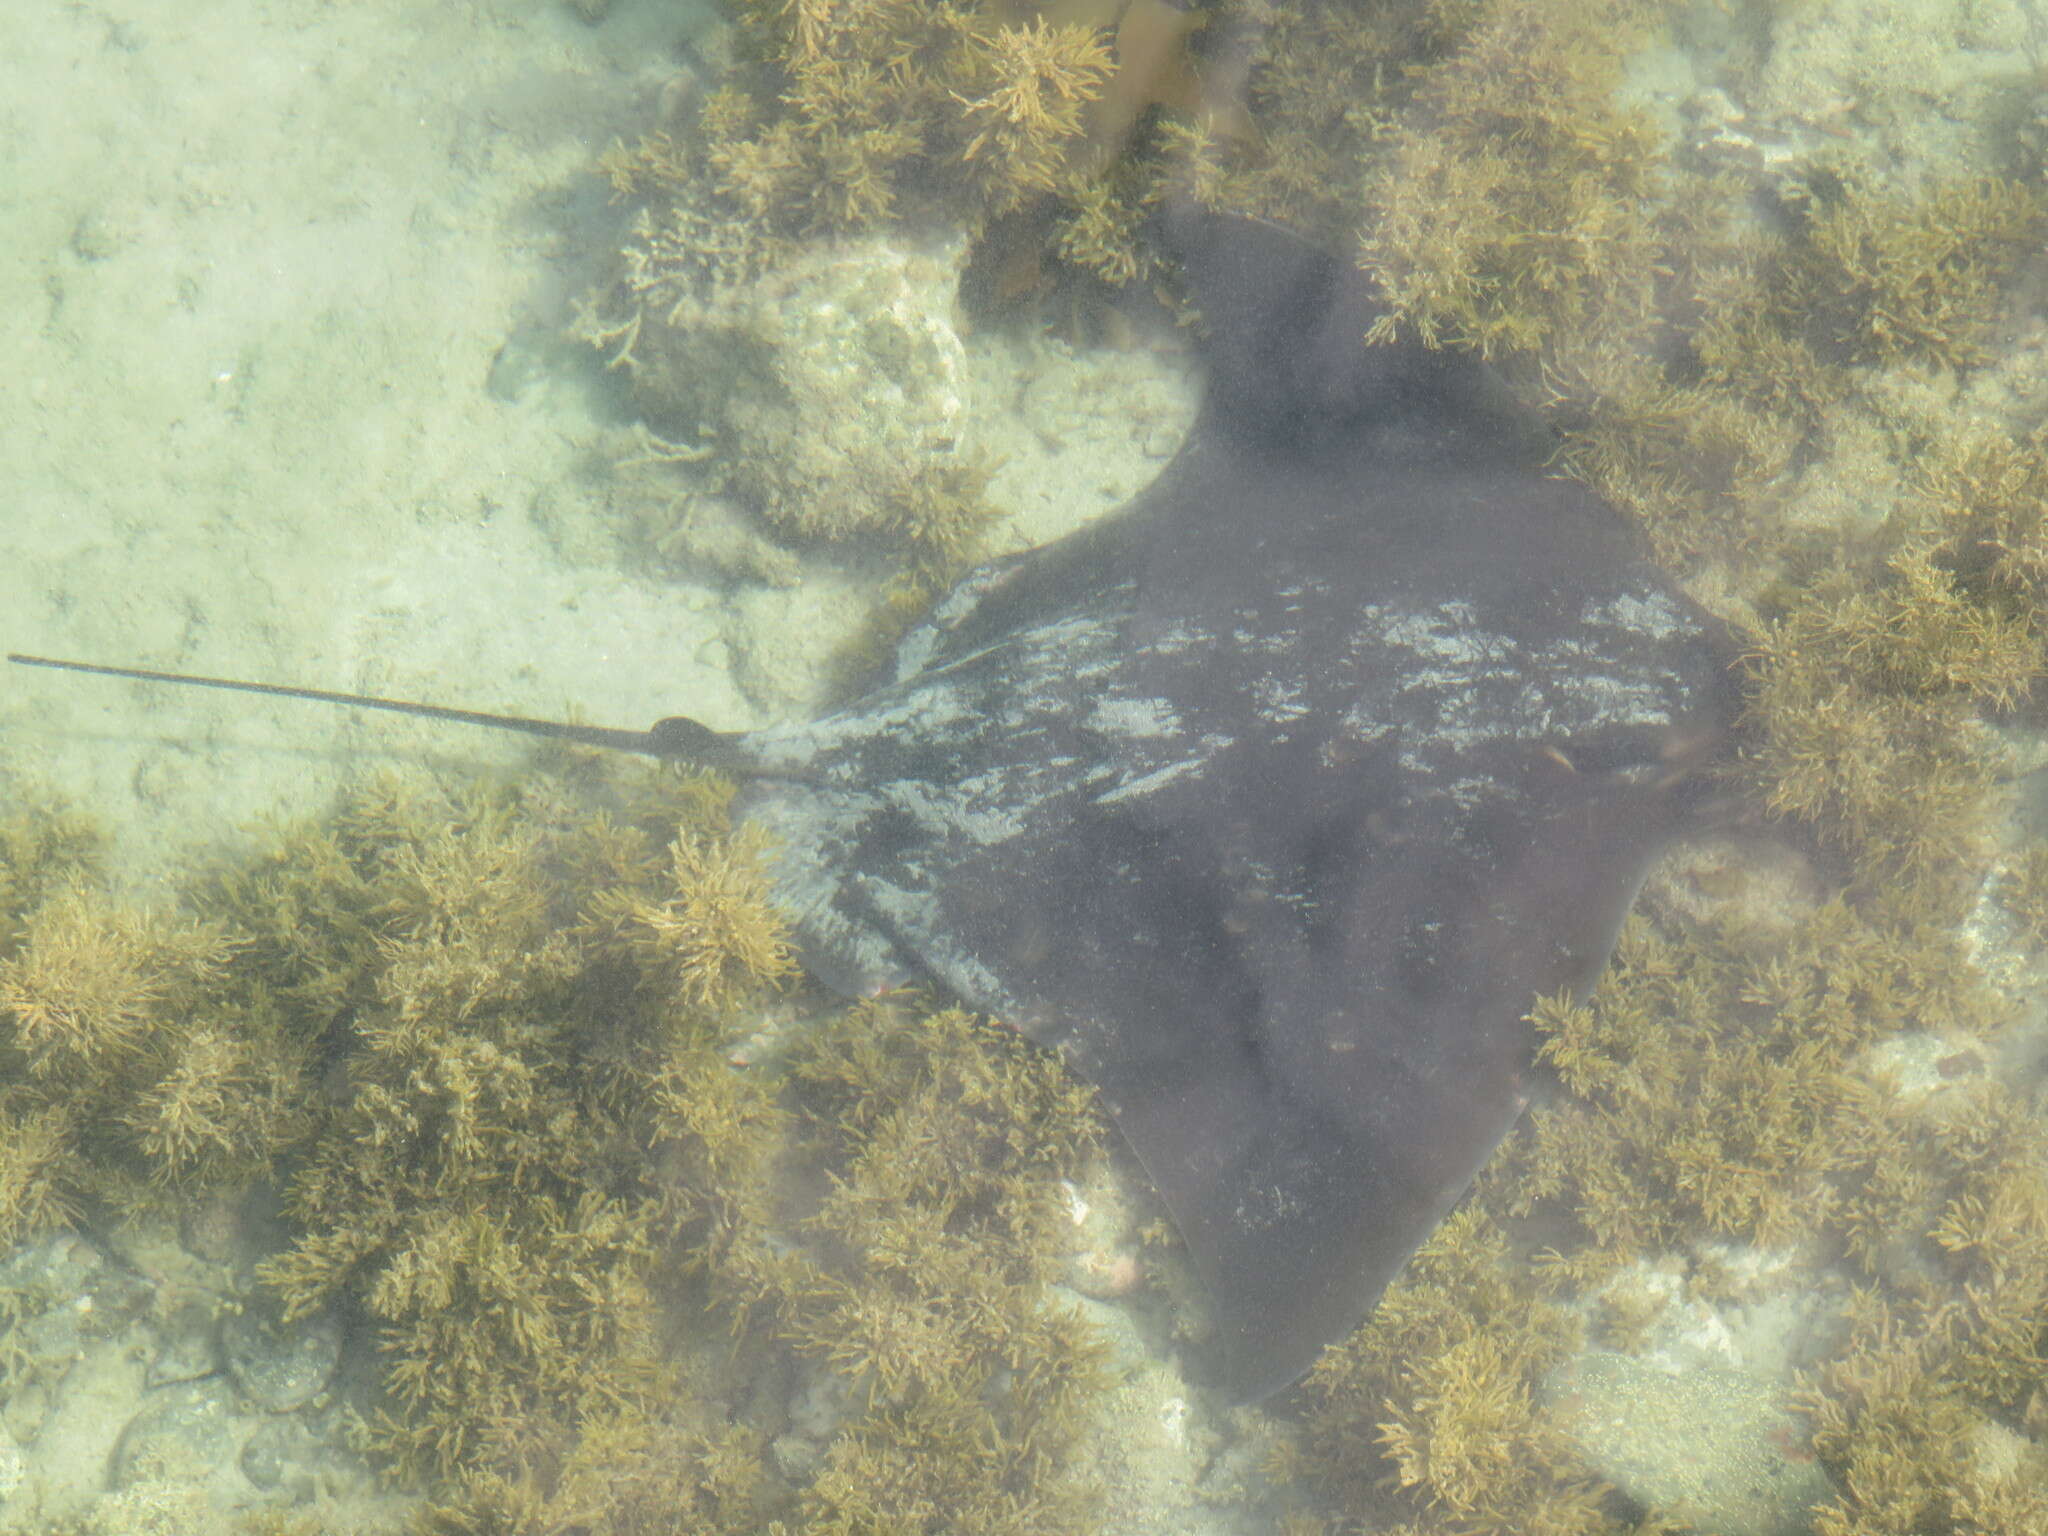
[
  {"x": 713, "y": 935},
  {"x": 1695, "y": 413},
  {"x": 1517, "y": 200},
  {"x": 848, "y": 113},
  {"x": 132, "y": 1072},
  {"x": 940, "y": 509},
  {"x": 924, "y": 1279},
  {"x": 1885, "y": 277},
  {"x": 125, "y": 1073},
  {"x": 1696, "y": 465},
  {"x": 93, "y": 980},
  {"x": 484, "y": 1190},
  {"x": 1866, "y": 692},
  {"x": 626, "y": 1474},
  {"x": 1948, "y": 1338},
  {"x": 1712, "y": 1080},
  {"x": 840, "y": 119},
  {"x": 45, "y": 845},
  {"x": 1983, "y": 496},
  {"x": 1856, "y": 274},
  {"x": 536, "y": 1174},
  {"x": 1916, "y": 1457},
  {"x": 37, "y": 1168},
  {"x": 1730, "y": 1079},
  {"x": 1511, "y": 202},
  {"x": 911, "y": 1262},
  {"x": 1442, "y": 1380},
  {"x": 1023, "y": 102},
  {"x": 842, "y": 116}
]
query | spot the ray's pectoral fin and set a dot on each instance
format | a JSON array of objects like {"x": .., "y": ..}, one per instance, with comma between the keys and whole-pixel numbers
[
  {"x": 1296, "y": 1219},
  {"x": 1313, "y": 1124}
]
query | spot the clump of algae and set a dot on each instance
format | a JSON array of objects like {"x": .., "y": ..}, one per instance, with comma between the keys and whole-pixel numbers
[
  {"x": 1440, "y": 1382},
  {"x": 1885, "y": 278},
  {"x": 1764, "y": 329},
  {"x": 1516, "y": 202},
  {"x": 927, "y": 1285},
  {"x": 44, "y": 846},
  {"x": 1947, "y": 1331},
  {"x": 818, "y": 383},
  {"x": 712, "y": 935},
  {"x": 126, "y": 1079},
  {"x": 1865, "y": 704},
  {"x": 1711, "y": 1082},
  {"x": 484, "y": 1191},
  {"x": 580, "y": 1232},
  {"x": 44, "y": 849}
]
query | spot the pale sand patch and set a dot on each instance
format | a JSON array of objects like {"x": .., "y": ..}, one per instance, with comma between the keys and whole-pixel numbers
[{"x": 256, "y": 260}]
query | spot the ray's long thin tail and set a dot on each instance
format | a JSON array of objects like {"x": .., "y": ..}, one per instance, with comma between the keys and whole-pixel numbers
[{"x": 677, "y": 737}]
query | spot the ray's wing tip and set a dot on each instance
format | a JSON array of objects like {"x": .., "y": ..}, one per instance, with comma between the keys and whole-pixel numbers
[{"x": 1244, "y": 1374}]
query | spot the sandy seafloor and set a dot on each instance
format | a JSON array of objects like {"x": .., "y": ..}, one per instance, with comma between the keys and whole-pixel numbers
[{"x": 258, "y": 262}]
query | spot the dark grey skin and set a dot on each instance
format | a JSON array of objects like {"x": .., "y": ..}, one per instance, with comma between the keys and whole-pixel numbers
[{"x": 1274, "y": 800}]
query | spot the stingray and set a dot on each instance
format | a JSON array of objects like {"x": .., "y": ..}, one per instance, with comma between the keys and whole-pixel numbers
[{"x": 1272, "y": 801}]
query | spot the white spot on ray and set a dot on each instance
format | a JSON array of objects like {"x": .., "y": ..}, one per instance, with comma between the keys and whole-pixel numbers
[
  {"x": 1146, "y": 783},
  {"x": 1279, "y": 699},
  {"x": 1128, "y": 718}
]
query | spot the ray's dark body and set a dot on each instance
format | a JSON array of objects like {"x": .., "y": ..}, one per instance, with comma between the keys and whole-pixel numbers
[{"x": 1274, "y": 800}]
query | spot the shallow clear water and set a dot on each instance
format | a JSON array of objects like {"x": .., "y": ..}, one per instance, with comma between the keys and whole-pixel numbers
[{"x": 291, "y": 298}]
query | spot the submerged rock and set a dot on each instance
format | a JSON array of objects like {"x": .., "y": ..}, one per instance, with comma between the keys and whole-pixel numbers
[
  {"x": 281, "y": 1366},
  {"x": 829, "y": 394},
  {"x": 1713, "y": 1446}
]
